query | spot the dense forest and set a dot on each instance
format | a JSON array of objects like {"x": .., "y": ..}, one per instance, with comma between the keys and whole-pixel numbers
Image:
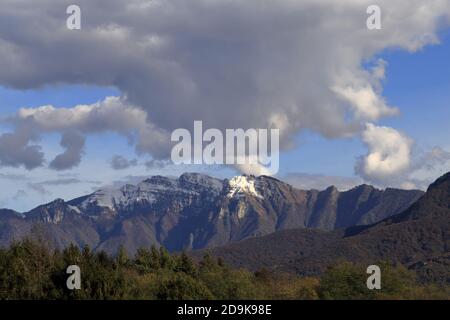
[{"x": 29, "y": 270}]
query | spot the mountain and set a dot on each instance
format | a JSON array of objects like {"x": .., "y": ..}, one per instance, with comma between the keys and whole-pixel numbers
[
  {"x": 196, "y": 211},
  {"x": 419, "y": 238}
]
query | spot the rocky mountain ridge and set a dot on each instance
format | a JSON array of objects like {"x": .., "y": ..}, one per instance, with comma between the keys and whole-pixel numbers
[{"x": 197, "y": 211}]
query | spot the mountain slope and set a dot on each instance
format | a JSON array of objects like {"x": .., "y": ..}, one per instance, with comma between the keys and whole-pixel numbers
[
  {"x": 197, "y": 211},
  {"x": 419, "y": 238}
]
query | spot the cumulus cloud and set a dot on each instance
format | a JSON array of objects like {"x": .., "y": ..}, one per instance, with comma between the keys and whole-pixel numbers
[
  {"x": 113, "y": 114},
  {"x": 16, "y": 149},
  {"x": 120, "y": 163},
  {"x": 365, "y": 102},
  {"x": 71, "y": 157},
  {"x": 288, "y": 64},
  {"x": 254, "y": 169},
  {"x": 389, "y": 154},
  {"x": 393, "y": 159}
]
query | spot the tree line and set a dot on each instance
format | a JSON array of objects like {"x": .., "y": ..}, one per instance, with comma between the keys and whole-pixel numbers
[{"x": 30, "y": 270}]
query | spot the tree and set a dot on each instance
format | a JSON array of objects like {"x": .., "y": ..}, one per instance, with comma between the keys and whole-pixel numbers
[
  {"x": 180, "y": 286},
  {"x": 345, "y": 281},
  {"x": 186, "y": 264},
  {"x": 122, "y": 257}
]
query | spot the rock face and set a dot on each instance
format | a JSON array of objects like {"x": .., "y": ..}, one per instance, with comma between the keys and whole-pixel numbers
[
  {"x": 197, "y": 211},
  {"x": 418, "y": 237}
]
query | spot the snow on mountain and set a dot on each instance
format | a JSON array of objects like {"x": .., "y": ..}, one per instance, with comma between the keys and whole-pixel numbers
[
  {"x": 196, "y": 211},
  {"x": 200, "y": 181},
  {"x": 149, "y": 191},
  {"x": 243, "y": 185}
]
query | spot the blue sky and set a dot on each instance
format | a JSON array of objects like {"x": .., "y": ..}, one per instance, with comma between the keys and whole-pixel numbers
[{"x": 417, "y": 82}]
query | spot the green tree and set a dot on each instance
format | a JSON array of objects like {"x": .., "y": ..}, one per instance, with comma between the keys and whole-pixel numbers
[
  {"x": 186, "y": 264},
  {"x": 345, "y": 281},
  {"x": 180, "y": 286}
]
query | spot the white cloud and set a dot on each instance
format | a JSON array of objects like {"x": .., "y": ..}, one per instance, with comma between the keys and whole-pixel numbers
[
  {"x": 254, "y": 169},
  {"x": 389, "y": 155},
  {"x": 366, "y": 103},
  {"x": 113, "y": 114},
  {"x": 394, "y": 160}
]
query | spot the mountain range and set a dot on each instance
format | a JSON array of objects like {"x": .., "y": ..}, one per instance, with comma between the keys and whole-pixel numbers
[
  {"x": 418, "y": 238},
  {"x": 196, "y": 211}
]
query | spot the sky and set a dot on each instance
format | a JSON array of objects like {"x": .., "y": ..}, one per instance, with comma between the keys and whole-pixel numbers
[{"x": 84, "y": 109}]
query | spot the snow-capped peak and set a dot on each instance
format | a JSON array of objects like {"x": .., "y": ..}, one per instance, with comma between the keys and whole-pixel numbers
[
  {"x": 102, "y": 198},
  {"x": 150, "y": 190},
  {"x": 241, "y": 185}
]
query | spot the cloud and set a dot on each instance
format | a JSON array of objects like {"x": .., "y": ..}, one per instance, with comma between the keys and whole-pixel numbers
[
  {"x": 307, "y": 181},
  {"x": 41, "y": 187},
  {"x": 16, "y": 150},
  {"x": 156, "y": 164},
  {"x": 20, "y": 194},
  {"x": 74, "y": 144},
  {"x": 365, "y": 102},
  {"x": 113, "y": 114},
  {"x": 432, "y": 159},
  {"x": 394, "y": 160},
  {"x": 293, "y": 65},
  {"x": 426, "y": 166},
  {"x": 59, "y": 182},
  {"x": 130, "y": 179},
  {"x": 254, "y": 169},
  {"x": 10, "y": 176},
  {"x": 389, "y": 155},
  {"x": 120, "y": 163}
]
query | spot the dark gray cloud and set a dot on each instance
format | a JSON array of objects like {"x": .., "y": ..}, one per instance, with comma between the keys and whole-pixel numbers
[
  {"x": 16, "y": 150},
  {"x": 71, "y": 157},
  {"x": 121, "y": 163}
]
